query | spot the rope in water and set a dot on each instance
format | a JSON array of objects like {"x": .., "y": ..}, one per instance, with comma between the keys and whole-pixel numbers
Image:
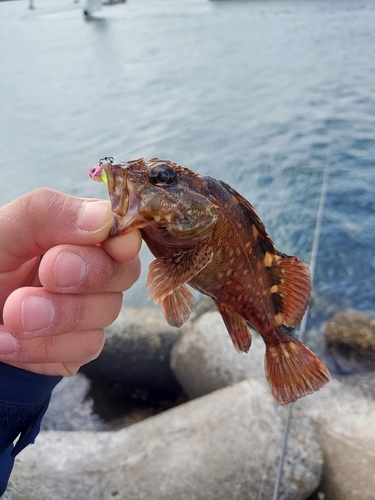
[{"x": 302, "y": 330}]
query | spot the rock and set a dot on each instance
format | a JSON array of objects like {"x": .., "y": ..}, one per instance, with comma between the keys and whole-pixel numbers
[
  {"x": 346, "y": 429},
  {"x": 131, "y": 380},
  {"x": 223, "y": 445},
  {"x": 205, "y": 360},
  {"x": 363, "y": 384},
  {"x": 203, "y": 305},
  {"x": 350, "y": 339},
  {"x": 137, "y": 352},
  {"x": 70, "y": 409}
]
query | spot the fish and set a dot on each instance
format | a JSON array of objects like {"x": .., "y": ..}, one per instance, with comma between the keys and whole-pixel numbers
[{"x": 206, "y": 235}]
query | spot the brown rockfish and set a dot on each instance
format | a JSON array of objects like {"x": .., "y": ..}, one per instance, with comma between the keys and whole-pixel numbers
[{"x": 203, "y": 233}]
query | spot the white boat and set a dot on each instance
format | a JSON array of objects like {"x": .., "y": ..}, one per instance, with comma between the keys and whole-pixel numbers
[{"x": 91, "y": 7}]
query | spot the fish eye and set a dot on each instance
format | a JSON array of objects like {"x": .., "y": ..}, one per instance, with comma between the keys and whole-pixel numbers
[{"x": 161, "y": 174}]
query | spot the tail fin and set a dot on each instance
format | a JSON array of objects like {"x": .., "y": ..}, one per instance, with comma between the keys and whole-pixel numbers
[{"x": 292, "y": 371}]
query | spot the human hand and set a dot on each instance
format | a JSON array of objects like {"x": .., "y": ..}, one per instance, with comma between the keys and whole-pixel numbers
[{"x": 61, "y": 280}]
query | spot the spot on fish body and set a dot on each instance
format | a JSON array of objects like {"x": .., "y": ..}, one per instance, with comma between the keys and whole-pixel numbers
[
  {"x": 279, "y": 319},
  {"x": 268, "y": 260},
  {"x": 285, "y": 351}
]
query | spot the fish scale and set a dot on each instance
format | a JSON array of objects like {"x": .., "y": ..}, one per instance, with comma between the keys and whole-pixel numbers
[{"x": 235, "y": 264}]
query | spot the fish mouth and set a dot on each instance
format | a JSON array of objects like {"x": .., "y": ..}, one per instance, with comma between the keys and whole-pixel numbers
[
  {"x": 117, "y": 179},
  {"x": 124, "y": 200}
]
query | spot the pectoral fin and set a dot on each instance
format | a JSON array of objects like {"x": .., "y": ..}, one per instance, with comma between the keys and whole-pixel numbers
[
  {"x": 237, "y": 328},
  {"x": 177, "y": 306},
  {"x": 168, "y": 273}
]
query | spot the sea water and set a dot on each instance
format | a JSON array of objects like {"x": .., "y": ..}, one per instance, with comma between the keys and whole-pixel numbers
[{"x": 262, "y": 94}]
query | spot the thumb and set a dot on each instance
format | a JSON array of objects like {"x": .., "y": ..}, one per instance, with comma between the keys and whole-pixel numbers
[{"x": 43, "y": 218}]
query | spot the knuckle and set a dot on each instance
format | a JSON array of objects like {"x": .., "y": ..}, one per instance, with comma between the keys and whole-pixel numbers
[
  {"x": 44, "y": 197},
  {"x": 110, "y": 273},
  {"x": 48, "y": 201},
  {"x": 71, "y": 313}
]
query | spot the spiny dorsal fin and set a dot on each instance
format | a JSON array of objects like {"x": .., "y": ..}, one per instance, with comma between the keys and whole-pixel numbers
[
  {"x": 292, "y": 286},
  {"x": 261, "y": 230}
]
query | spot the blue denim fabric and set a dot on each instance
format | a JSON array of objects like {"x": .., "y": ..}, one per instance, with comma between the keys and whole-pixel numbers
[{"x": 24, "y": 399}]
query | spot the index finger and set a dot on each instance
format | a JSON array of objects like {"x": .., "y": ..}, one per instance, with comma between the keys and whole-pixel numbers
[{"x": 44, "y": 218}]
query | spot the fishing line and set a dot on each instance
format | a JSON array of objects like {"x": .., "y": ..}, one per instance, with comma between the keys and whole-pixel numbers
[
  {"x": 302, "y": 329},
  {"x": 268, "y": 456},
  {"x": 313, "y": 259},
  {"x": 171, "y": 134}
]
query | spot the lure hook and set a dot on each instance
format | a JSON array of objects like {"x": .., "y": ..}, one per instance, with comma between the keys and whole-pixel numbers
[{"x": 106, "y": 159}]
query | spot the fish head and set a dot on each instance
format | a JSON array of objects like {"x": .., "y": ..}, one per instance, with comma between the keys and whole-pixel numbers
[{"x": 161, "y": 197}]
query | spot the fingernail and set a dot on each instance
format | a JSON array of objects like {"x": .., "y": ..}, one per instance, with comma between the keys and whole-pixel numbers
[
  {"x": 8, "y": 344},
  {"x": 36, "y": 313},
  {"x": 95, "y": 215},
  {"x": 69, "y": 269}
]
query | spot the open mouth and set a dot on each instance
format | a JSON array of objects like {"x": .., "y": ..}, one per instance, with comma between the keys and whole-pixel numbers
[{"x": 124, "y": 200}]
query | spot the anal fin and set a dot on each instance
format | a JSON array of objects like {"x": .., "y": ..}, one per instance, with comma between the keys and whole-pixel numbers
[
  {"x": 293, "y": 371},
  {"x": 165, "y": 274},
  {"x": 177, "y": 306},
  {"x": 237, "y": 327}
]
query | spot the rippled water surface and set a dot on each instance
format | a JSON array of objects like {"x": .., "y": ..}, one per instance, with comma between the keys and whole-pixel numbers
[{"x": 261, "y": 94}]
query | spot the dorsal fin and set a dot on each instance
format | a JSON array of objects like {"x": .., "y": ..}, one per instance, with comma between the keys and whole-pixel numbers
[
  {"x": 267, "y": 243},
  {"x": 292, "y": 277},
  {"x": 292, "y": 287}
]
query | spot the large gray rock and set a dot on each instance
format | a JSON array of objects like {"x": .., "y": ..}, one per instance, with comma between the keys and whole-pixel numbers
[
  {"x": 345, "y": 423},
  {"x": 205, "y": 360},
  {"x": 350, "y": 338},
  {"x": 222, "y": 446},
  {"x": 137, "y": 350},
  {"x": 344, "y": 413},
  {"x": 70, "y": 408}
]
